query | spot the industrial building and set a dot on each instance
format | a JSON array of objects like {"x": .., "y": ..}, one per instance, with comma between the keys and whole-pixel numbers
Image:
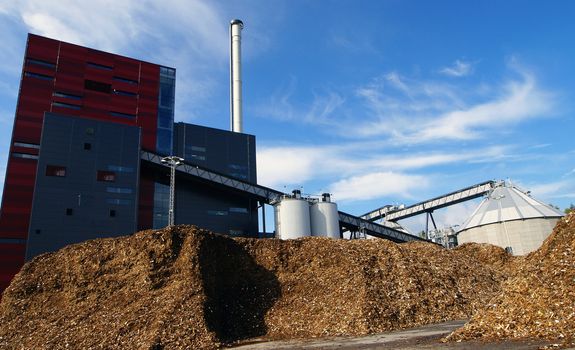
[
  {"x": 74, "y": 170},
  {"x": 90, "y": 132}
]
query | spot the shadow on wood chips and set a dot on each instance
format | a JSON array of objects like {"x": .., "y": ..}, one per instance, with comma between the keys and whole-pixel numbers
[
  {"x": 238, "y": 291},
  {"x": 186, "y": 288}
]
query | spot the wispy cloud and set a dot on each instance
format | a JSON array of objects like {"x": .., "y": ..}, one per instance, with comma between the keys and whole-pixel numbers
[
  {"x": 377, "y": 185},
  {"x": 412, "y": 111},
  {"x": 550, "y": 189},
  {"x": 425, "y": 112},
  {"x": 458, "y": 69},
  {"x": 346, "y": 167},
  {"x": 281, "y": 106}
]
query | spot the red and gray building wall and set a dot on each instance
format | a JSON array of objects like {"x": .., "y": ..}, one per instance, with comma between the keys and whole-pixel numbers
[{"x": 74, "y": 170}]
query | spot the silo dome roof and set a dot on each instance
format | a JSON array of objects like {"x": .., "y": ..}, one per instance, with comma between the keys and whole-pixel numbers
[{"x": 506, "y": 203}]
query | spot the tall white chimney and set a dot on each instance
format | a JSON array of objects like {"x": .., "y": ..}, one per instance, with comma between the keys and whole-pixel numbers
[{"x": 236, "y": 121}]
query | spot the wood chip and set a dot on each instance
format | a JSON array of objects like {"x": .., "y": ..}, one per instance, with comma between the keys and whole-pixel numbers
[{"x": 185, "y": 288}]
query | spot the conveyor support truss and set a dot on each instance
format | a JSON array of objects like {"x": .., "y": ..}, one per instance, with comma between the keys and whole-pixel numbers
[{"x": 269, "y": 196}]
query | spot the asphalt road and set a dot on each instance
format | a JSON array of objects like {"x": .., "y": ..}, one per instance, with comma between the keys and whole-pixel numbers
[{"x": 426, "y": 337}]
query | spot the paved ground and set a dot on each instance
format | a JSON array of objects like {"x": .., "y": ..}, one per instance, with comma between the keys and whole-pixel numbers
[{"x": 426, "y": 337}]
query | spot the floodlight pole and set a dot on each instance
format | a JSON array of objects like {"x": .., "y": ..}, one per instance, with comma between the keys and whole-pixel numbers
[{"x": 172, "y": 162}]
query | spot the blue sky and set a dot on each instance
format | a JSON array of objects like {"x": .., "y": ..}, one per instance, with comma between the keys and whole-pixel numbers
[{"x": 377, "y": 102}]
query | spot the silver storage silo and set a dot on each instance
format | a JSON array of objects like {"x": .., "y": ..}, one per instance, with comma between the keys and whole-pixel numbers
[
  {"x": 292, "y": 218},
  {"x": 510, "y": 218},
  {"x": 324, "y": 218}
]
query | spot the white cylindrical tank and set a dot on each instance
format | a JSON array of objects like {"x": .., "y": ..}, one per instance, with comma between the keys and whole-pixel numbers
[
  {"x": 324, "y": 218},
  {"x": 292, "y": 218}
]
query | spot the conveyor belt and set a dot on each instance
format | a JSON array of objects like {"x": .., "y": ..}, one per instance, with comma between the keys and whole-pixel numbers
[
  {"x": 270, "y": 196},
  {"x": 392, "y": 213}
]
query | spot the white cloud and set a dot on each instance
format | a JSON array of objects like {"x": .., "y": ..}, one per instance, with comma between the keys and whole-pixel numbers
[
  {"x": 376, "y": 185},
  {"x": 347, "y": 167},
  {"x": 458, "y": 69},
  {"x": 287, "y": 165},
  {"x": 320, "y": 111},
  {"x": 427, "y": 112},
  {"x": 551, "y": 189},
  {"x": 409, "y": 111}
]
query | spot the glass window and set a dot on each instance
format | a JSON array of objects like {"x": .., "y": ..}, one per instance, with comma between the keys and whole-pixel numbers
[
  {"x": 239, "y": 176},
  {"x": 170, "y": 72},
  {"x": 61, "y": 94},
  {"x": 161, "y": 203},
  {"x": 12, "y": 241},
  {"x": 65, "y": 105},
  {"x": 164, "y": 141},
  {"x": 90, "y": 131},
  {"x": 125, "y": 80},
  {"x": 106, "y": 176},
  {"x": 238, "y": 210},
  {"x": 167, "y": 92},
  {"x": 55, "y": 170},
  {"x": 87, "y": 146},
  {"x": 123, "y": 115},
  {"x": 40, "y": 63},
  {"x": 125, "y": 93},
  {"x": 97, "y": 86},
  {"x": 197, "y": 157},
  {"x": 69, "y": 211},
  {"x": 237, "y": 167},
  {"x": 112, "y": 213},
  {"x": 165, "y": 117},
  {"x": 24, "y": 156},
  {"x": 38, "y": 76},
  {"x": 26, "y": 145},
  {"x": 118, "y": 190},
  {"x": 98, "y": 66},
  {"x": 118, "y": 201},
  {"x": 121, "y": 169},
  {"x": 217, "y": 212}
]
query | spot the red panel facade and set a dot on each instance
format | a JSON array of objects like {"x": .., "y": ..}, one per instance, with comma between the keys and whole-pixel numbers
[{"x": 77, "y": 81}]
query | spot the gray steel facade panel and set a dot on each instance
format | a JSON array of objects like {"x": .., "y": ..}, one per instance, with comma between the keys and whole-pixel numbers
[
  {"x": 79, "y": 204},
  {"x": 229, "y": 153}
]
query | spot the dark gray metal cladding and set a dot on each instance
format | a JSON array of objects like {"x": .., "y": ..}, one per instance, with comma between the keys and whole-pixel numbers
[{"x": 87, "y": 182}]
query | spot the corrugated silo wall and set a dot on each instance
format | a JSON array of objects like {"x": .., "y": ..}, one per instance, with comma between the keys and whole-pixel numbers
[{"x": 523, "y": 236}]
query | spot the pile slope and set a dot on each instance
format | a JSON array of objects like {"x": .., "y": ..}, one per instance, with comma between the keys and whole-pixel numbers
[
  {"x": 539, "y": 301},
  {"x": 181, "y": 288}
]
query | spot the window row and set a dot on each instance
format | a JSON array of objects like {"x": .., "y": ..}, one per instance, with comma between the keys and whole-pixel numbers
[
  {"x": 231, "y": 210},
  {"x": 70, "y": 212},
  {"x": 38, "y": 76},
  {"x": 77, "y": 97},
  {"x": 107, "y": 88},
  {"x": 24, "y": 155},
  {"x": 50, "y": 65},
  {"x": 77, "y": 107},
  {"x": 101, "y": 175},
  {"x": 41, "y": 63},
  {"x": 26, "y": 145}
]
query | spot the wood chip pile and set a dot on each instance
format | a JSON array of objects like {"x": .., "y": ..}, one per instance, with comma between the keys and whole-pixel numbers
[
  {"x": 185, "y": 288},
  {"x": 539, "y": 301}
]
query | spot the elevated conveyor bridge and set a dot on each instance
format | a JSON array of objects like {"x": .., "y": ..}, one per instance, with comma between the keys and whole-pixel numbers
[
  {"x": 392, "y": 213},
  {"x": 266, "y": 195}
]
